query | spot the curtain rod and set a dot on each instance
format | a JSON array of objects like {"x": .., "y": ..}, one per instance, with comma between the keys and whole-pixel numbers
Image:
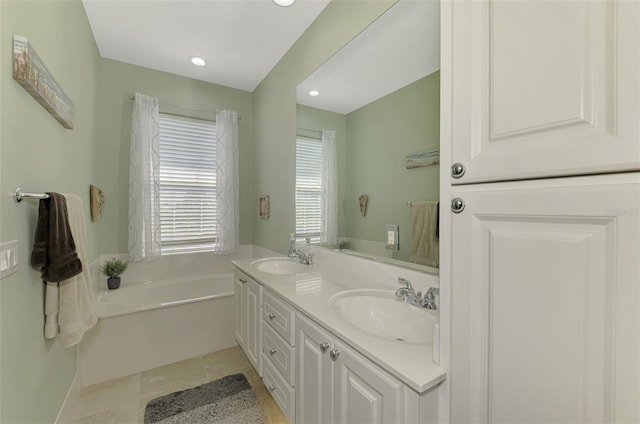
[{"x": 132, "y": 97}]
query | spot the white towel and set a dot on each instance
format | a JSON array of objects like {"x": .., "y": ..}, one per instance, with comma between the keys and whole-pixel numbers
[{"x": 69, "y": 307}]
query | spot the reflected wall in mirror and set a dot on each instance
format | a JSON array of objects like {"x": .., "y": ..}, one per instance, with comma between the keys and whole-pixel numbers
[{"x": 381, "y": 95}]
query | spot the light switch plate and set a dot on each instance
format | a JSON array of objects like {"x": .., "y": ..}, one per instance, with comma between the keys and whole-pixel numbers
[{"x": 9, "y": 258}]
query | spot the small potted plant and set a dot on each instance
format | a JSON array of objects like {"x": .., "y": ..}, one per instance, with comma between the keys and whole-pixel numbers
[
  {"x": 112, "y": 269},
  {"x": 344, "y": 244}
]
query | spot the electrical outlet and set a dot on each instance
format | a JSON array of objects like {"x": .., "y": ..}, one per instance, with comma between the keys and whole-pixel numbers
[
  {"x": 392, "y": 239},
  {"x": 9, "y": 258}
]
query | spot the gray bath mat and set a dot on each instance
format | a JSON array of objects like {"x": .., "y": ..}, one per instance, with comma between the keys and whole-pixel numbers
[{"x": 228, "y": 400}]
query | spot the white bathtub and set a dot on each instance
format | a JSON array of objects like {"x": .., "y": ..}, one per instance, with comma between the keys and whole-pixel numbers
[
  {"x": 148, "y": 324},
  {"x": 147, "y": 295},
  {"x": 168, "y": 310}
]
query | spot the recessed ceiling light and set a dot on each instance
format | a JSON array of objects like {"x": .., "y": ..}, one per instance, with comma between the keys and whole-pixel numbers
[
  {"x": 198, "y": 61},
  {"x": 284, "y": 3},
  {"x": 314, "y": 93}
]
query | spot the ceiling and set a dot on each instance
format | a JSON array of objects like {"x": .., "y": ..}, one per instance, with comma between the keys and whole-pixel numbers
[
  {"x": 242, "y": 40},
  {"x": 400, "y": 47}
]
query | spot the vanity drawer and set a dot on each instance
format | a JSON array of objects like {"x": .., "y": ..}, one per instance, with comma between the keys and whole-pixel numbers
[
  {"x": 282, "y": 355},
  {"x": 282, "y": 393},
  {"x": 280, "y": 316}
]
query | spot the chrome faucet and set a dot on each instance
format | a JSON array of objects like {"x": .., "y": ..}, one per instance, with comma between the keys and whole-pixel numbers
[
  {"x": 407, "y": 289},
  {"x": 410, "y": 296},
  {"x": 430, "y": 298},
  {"x": 304, "y": 258}
]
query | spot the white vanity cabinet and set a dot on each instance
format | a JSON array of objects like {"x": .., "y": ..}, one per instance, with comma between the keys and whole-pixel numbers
[
  {"x": 278, "y": 352},
  {"x": 335, "y": 384},
  {"x": 248, "y": 299}
]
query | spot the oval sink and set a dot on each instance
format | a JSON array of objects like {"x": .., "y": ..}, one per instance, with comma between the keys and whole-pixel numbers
[
  {"x": 280, "y": 266},
  {"x": 380, "y": 313}
]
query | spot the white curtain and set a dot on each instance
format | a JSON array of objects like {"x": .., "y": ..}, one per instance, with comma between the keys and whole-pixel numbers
[
  {"x": 329, "y": 188},
  {"x": 227, "y": 182},
  {"x": 144, "y": 192}
]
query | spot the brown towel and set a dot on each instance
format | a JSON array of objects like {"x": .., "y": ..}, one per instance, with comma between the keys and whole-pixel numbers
[{"x": 54, "y": 251}]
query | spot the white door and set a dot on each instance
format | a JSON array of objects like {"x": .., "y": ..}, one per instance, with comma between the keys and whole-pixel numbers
[
  {"x": 314, "y": 373},
  {"x": 362, "y": 392},
  {"x": 545, "y": 287},
  {"x": 253, "y": 335},
  {"x": 241, "y": 318},
  {"x": 543, "y": 88}
]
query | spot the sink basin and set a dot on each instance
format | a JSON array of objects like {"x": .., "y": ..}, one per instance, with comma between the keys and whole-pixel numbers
[
  {"x": 381, "y": 314},
  {"x": 280, "y": 266}
]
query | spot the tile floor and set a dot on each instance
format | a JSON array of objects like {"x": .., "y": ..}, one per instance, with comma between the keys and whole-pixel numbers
[{"x": 123, "y": 400}]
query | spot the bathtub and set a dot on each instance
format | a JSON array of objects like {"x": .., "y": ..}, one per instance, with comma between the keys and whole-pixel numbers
[
  {"x": 147, "y": 324},
  {"x": 149, "y": 294}
]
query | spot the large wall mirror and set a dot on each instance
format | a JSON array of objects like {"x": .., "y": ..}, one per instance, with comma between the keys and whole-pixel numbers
[{"x": 381, "y": 96}]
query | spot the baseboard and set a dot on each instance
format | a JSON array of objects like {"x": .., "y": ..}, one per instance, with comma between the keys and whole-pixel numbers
[{"x": 72, "y": 393}]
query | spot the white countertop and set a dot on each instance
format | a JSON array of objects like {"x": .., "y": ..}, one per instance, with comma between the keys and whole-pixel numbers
[{"x": 309, "y": 293}]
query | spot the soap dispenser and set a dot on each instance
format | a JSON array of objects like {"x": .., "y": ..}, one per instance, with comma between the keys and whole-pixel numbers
[{"x": 292, "y": 245}]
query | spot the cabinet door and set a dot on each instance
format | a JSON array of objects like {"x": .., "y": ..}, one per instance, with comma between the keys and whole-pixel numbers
[
  {"x": 363, "y": 393},
  {"x": 253, "y": 338},
  {"x": 546, "y": 300},
  {"x": 543, "y": 88},
  {"x": 241, "y": 317},
  {"x": 314, "y": 373}
]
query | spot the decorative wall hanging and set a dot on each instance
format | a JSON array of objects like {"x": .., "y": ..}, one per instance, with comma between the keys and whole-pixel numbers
[
  {"x": 363, "y": 199},
  {"x": 32, "y": 74},
  {"x": 265, "y": 207},
  {"x": 96, "y": 201},
  {"x": 423, "y": 159}
]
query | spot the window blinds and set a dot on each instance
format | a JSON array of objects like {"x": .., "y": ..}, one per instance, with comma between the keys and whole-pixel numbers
[
  {"x": 188, "y": 209},
  {"x": 308, "y": 189}
]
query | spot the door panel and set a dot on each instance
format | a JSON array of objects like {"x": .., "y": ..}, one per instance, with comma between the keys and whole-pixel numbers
[
  {"x": 314, "y": 374},
  {"x": 253, "y": 340},
  {"x": 238, "y": 288},
  {"x": 545, "y": 88},
  {"x": 363, "y": 393},
  {"x": 545, "y": 298}
]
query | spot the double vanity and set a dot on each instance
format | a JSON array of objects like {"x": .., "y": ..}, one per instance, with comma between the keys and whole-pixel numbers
[{"x": 334, "y": 343}]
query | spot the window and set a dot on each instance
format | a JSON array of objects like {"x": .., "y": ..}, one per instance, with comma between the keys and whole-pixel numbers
[
  {"x": 188, "y": 209},
  {"x": 308, "y": 189}
]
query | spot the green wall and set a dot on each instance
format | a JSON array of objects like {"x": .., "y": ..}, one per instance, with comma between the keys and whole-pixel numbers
[
  {"x": 309, "y": 118},
  {"x": 275, "y": 112},
  {"x": 379, "y": 137},
  {"x": 120, "y": 80},
  {"x": 38, "y": 154}
]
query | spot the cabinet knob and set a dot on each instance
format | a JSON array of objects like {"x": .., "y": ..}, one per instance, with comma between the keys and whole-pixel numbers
[
  {"x": 457, "y": 170},
  {"x": 273, "y": 351},
  {"x": 334, "y": 353},
  {"x": 272, "y": 387},
  {"x": 457, "y": 205},
  {"x": 271, "y": 315},
  {"x": 242, "y": 280},
  {"x": 324, "y": 346}
]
